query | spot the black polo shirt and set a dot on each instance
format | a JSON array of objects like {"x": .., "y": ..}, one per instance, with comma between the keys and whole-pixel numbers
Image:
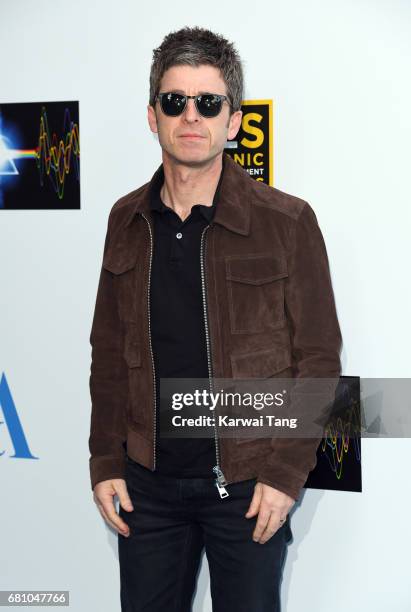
[{"x": 177, "y": 323}]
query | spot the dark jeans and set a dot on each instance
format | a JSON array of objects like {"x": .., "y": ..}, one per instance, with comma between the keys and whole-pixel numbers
[{"x": 172, "y": 521}]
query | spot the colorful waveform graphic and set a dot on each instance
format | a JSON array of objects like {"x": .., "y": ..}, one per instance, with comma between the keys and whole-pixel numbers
[
  {"x": 55, "y": 156},
  {"x": 338, "y": 436}
]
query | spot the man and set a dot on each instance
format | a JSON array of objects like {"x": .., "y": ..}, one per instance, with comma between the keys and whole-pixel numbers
[{"x": 206, "y": 273}]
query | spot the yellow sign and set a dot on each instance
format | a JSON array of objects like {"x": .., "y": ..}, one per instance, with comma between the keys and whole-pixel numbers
[{"x": 253, "y": 146}]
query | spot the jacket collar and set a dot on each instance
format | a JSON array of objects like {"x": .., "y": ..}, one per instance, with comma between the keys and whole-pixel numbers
[{"x": 233, "y": 209}]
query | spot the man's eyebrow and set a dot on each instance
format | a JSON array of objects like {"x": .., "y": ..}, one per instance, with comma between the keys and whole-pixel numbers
[{"x": 180, "y": 91}]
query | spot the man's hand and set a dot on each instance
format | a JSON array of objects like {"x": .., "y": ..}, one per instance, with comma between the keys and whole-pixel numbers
[
  {"x": 103, "y": 494},
  {"x": 271, "y": 505}
]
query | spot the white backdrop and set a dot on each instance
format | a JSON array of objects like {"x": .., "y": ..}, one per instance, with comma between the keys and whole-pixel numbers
[{"x": 338, "y": 73}]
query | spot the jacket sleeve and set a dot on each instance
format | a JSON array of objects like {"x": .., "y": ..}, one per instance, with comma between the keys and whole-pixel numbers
[
  {"x": 108, "y": 383},
  {"x": 315, "y": 343}
]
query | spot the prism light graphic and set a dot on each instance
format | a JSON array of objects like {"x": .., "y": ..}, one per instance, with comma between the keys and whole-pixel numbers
[{"x": 42, "y": 176}]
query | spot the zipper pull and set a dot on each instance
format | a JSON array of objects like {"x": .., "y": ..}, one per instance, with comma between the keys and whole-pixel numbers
[
  {"x": 220, "y": 481},
  {"x": 222, "y": 490}
]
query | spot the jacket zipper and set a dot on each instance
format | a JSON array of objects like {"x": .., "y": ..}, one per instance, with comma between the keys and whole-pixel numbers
[
  {"x": 151, "y": 347},
  {"x": 220, "y": 480}
]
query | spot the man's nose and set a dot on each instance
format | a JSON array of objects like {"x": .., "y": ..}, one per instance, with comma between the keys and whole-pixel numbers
[{"x": 190, "y": 112}]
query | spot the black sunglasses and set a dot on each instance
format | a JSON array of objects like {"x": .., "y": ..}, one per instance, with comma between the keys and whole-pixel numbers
[{"x": 207, "y": 104}]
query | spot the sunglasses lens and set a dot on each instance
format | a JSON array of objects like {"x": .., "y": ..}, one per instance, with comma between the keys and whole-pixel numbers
[
  {"x": 173, "y": 104},
  {"x": 209, "y": 105}
]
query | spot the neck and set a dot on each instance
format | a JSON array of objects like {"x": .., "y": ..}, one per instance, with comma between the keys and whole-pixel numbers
[{"x": 185, "y": 186}]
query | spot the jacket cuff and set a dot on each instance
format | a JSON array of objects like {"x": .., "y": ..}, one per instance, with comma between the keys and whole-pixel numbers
[
  {"x": 284, "y": 478},
  {"x": 106, "y": 468}
]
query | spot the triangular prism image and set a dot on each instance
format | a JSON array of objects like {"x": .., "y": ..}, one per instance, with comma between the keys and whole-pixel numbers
[{"x": 7, "y": 165}]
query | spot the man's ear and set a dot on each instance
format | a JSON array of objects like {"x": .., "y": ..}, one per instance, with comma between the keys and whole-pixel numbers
[
  {"x": 152, "y": 119},
  {"x": 234, "y": 124}
]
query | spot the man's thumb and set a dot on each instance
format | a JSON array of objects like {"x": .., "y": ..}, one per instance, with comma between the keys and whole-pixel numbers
[
  {"x": 255, "y": 504},
  {"x": 123, "y": 497}
]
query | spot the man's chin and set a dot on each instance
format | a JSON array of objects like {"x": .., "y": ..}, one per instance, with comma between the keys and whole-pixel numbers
[{"x": 192, "y": 160}]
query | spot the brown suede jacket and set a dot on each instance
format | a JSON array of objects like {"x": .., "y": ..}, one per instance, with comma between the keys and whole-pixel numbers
[{"x": 269, "y": 311}]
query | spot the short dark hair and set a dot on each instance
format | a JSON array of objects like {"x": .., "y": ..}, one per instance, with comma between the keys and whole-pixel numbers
[{"x": 194, "y": 47}]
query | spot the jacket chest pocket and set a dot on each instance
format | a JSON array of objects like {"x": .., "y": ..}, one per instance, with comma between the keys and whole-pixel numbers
[
  {"x": 126, "y": 275},
  {"x": 255, "y": 287}
]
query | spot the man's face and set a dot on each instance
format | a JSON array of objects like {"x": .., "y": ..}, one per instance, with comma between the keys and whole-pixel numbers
[{"x": 190, "y": 138}]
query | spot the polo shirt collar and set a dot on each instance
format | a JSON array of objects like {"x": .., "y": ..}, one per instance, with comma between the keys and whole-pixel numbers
[{"x": 156, "y": 203}]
